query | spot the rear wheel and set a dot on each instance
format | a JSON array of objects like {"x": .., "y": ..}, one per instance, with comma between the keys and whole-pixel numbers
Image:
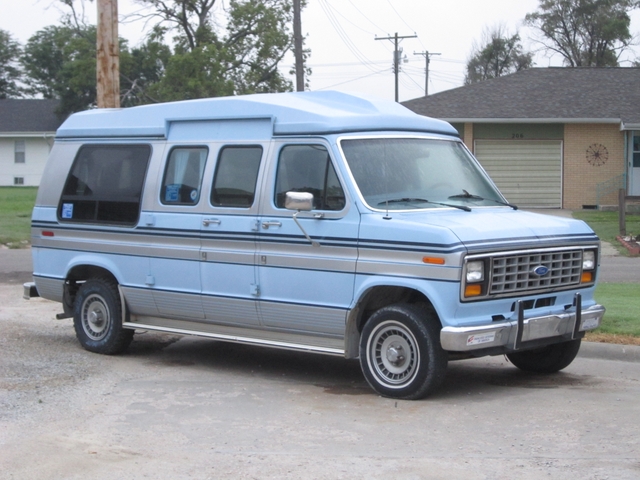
[
  {"x": 98, "y": 318},
  {"x": 400, "y": 352},
  {"x": 548, "y": 359}
]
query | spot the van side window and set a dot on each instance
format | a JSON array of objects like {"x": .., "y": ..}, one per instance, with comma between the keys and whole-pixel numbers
[
  {"x": 234, "y": 183},
  {"x": 183, "y": 176},
  {"x": 105, "y": 184},
  {"x": 308, "y": 168}
]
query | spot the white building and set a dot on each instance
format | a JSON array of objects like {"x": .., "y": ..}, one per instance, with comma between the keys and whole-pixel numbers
[{"x": 27, "y": 128}]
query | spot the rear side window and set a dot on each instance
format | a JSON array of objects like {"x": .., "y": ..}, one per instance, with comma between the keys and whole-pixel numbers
[
  {"x": 105, "y": 184},
  {"x": 183, "y": 176},
  {"x": 308, "y": 168},
  {"x": 234, "y": 183}
]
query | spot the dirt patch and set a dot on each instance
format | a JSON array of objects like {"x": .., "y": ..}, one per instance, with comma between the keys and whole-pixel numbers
[{"x": 612, "y": 338}]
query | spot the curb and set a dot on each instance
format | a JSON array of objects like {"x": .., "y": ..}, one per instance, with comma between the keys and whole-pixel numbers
[
  {"x": 632, "y": 247},
  {"x": 610, "y": 351}
]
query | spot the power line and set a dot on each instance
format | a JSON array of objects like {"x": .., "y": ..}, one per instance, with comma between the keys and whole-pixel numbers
[
  {"x": 400, "y": 17},
  {"x": 326, "y": 7},
  {"x": 354, "y": 24},
  {"x": 352, "y": 80},
  {"x": 365, "y": 17}
]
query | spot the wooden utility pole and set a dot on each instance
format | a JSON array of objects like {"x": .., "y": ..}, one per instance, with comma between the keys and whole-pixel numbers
[
  {"x": 297, "y": 46},
  {"x": 396, "y": 56},
  {"x": 108, "y": 58},
  {"x": 428, "y": 56}
]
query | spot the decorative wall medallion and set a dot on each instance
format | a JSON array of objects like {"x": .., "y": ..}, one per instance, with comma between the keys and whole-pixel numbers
[{"x": 597, "y": 154}]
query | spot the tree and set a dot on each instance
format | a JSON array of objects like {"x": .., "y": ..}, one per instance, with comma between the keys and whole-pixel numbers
[
  {"x": 259, "y": 37},
  {"x": 10, "y": 73},
  {"x": 142, "y": 68},
  {"x": 60, "y": 62},
  {"x": 586, "y": 33},
  {"x": 499, "y": 54},
  {"x": 242, "y": 58}
]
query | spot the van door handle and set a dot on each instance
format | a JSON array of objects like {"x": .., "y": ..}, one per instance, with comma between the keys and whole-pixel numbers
[
  {"x": 208, "y": 221},
  {"x": 271, "y": 223}
]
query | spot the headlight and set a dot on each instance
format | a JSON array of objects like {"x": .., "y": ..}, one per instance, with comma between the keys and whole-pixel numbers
[
  {"x": 588, "y": 260},
  {"x": 475, "y": 272}
]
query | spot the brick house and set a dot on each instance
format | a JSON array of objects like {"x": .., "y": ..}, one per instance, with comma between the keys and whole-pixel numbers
[
  {"x": 550, "y": 137},
  {"x": 27, "y": 128}
]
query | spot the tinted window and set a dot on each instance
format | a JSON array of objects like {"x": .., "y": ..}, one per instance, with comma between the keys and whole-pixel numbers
[
  {"x": 105, "y": 184},
  {"x": 183, "y": 176},
  {"x": 234, "y": 183},
  {"x": 308, "y": 168}
]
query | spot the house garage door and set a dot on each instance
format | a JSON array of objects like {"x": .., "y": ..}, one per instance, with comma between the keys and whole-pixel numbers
[{"x": 527, "y": 172}]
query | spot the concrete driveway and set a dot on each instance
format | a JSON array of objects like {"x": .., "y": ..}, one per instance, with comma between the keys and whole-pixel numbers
[{"x": 190, "y": 408}]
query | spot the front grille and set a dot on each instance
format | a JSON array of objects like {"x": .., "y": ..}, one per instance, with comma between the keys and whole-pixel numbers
[{"x": 515, "y": 273}]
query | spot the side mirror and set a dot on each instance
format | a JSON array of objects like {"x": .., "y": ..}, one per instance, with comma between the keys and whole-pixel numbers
[{"x": 300, "y": 201}]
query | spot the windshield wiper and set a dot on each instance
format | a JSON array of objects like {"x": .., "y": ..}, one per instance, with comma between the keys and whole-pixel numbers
[
  {"x": 477, "y": 197},
  {"x": 423, "y": 200}
]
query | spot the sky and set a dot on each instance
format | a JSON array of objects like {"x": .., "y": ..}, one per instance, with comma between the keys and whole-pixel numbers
[{"x": 347, "y": 38}]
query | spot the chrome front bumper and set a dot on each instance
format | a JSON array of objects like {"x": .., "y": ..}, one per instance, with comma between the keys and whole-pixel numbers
[{"x": 511, "y": 334}]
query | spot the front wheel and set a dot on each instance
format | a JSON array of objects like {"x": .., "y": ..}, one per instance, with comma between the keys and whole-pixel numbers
[
  {"x": 549, "y": 359},
  {"x": 98, "y": 319},
  {"x": 400, "y": 352}
]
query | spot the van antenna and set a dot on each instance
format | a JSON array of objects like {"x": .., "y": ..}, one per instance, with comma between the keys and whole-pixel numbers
[{"x": 387, "y": 217}]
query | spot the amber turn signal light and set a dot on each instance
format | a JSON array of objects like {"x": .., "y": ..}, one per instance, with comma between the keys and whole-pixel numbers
[
  {"x": 472, "y": 290},
  {"x": 433, "y": 260},
  {"x": 586, "y": 277}
]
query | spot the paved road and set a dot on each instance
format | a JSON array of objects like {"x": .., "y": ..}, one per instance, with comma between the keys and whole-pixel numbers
[{"x": 190, "y": 408}]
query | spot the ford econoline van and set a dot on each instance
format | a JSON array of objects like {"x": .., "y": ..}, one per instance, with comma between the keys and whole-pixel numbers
[{"x": 315, "y": 221}]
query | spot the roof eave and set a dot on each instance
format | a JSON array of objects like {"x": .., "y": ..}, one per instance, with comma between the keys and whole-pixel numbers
[
  {"x": 533, "y": 120},
  {"x": 27, "y": 134}
]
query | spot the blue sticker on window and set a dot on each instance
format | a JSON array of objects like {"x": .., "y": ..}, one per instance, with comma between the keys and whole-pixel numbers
[
  {"x": 193, "y": 195},
  {"x": 67, "y": 210},
  {"x": 172, "y": 193}
]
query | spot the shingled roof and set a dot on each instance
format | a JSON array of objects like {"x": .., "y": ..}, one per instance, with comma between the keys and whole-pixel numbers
[
  {"x": 29, "y": 116},
  {"x": 566, "y": 95}
]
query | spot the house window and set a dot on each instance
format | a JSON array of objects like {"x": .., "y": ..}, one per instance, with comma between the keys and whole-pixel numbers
[
  {"x": 18, "y": 180},
  {"x": 19, "y": 151}
]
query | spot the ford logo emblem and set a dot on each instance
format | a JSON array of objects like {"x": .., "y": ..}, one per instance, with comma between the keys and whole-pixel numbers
[{"x": 540, "y": 270}]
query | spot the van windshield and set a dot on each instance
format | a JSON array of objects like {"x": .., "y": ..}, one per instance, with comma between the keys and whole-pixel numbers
[{"x": 410, "y": 173}]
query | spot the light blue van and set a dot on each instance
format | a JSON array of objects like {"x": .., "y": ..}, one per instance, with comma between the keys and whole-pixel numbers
[{"x": 313, "y": 221}]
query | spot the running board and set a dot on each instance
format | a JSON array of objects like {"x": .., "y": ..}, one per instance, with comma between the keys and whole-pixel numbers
[{"x": 238, "y": 339}]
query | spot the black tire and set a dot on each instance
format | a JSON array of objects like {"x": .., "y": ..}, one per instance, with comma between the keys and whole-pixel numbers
[
  {"x": 550, "y": 359},
  {"x": 400, "y": 352},
  {"x": 97, "y": 318}
]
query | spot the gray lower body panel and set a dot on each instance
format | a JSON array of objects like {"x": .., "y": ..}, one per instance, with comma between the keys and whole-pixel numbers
[{"x": 332, "y": 345}]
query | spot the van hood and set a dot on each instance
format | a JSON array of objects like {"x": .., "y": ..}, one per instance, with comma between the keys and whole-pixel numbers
[{"x": 480, "y": 229}]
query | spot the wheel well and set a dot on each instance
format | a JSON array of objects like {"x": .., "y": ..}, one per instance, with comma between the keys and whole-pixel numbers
[
  {"x": 375, "y": 299},
  {"x": 379, "y": 297},
  {"x": 78, "y": 275}
]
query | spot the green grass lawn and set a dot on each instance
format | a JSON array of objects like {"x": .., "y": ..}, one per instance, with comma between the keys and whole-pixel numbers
[
  {"x": 16, "y": 204},
  {"x": 623, "y": 308},
  {"x": 606, "y": 225}
]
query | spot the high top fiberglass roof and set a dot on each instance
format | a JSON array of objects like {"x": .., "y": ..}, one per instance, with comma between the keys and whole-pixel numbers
[{"x": 295, "y": 113}]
